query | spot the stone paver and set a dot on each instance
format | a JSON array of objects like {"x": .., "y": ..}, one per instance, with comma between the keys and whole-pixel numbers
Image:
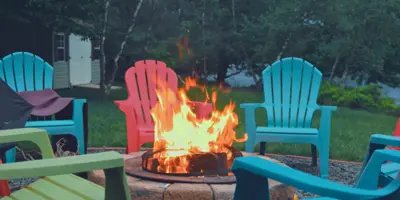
[
  {"x": 182, "y": 191},
  {"x": 150, "y": 190},
  {"x": 223, "y": 191}
]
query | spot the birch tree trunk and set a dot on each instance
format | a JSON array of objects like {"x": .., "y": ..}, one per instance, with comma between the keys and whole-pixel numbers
[
  {"x": 122, "y": 47},
  {"x": 344, "y": 76},
  {"x": 334, "y": 68},
  {"x": 103, "y": 55}
]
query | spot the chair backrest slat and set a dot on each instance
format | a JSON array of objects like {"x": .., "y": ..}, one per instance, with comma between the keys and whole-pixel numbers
[
  {"x": 23, "y": 71},
  {"x": 142, "y": 80},
  {"x": 290, "y": 85}
]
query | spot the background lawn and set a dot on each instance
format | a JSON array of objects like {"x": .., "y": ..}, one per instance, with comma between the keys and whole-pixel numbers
[{"x": 350, "y": 134}]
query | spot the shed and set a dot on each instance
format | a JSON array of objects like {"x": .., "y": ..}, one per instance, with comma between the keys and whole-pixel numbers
[{"x": 75, "y": 61}]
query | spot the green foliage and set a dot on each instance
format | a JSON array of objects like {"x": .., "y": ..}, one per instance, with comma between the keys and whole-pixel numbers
[{"x": 368, "y": 97}]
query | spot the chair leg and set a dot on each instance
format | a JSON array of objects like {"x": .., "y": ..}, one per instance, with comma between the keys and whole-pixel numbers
[
  {"x": 263, "y": 148},
  {"x": 10, "y": 155},
  {"x": 4, "y": 187},
  {"x": 81, "y": 146},
  {"x": 324, "y": 161},
  {"x": 314, "y": 155},
  {"x": 249, "y": 145}
]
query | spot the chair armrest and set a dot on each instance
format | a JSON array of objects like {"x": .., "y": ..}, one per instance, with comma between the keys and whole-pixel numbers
[
  {"x": 78, "y": 108},
  {"x": 251, "y": 106},
  {"x": 256, "y": 171},
  {"x": 34, "y": 135},
  {"x": 328, "y": 108},
  {"x": 386, "y": 140},
  {"x": 62, "y": 165},
  {"x": 249, "y": 118},
  {"x": 111, "y": 162},
  {"x": 124, "y": 105},
  {"x": 325, "y": 120}
]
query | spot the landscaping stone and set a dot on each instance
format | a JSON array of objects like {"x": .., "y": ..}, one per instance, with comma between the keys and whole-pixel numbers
[
  {"x": 149, "y": 190},
  {"x": 184, "y": 191},
  {"x": 223, "y": 191}
]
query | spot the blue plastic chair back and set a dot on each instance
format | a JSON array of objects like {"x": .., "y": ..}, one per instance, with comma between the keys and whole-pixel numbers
[
  {"x": 290, "y": 85},
  {"x": 23, "y": 71}
]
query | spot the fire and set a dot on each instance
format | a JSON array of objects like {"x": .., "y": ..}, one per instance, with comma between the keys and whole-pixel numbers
[{"x": 179, "y": 134}]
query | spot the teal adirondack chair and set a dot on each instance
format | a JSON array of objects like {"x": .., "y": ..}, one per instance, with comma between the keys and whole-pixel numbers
[
  {"x": 389, "y": 170},
  {"x": 291, "y": 88},
  {"x": 252, "y": 174},
  {"x": 58, "y": 182},
  {"x": 23, "y": 71}
]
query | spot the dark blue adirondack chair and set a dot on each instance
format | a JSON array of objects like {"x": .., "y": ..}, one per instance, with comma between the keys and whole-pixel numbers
[
  {"x": 23, "y": 71},
  {"x": 252, "y": 174},
  {"x": 291, "y": 88}
]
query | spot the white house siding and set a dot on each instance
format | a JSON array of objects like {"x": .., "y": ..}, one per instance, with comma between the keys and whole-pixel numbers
[
  {"x": 95, "y": 72},
  {"x": 61, "y": 75}
]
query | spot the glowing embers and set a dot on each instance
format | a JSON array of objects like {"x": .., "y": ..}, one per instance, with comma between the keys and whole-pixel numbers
[{"x": 194, "y": 164}]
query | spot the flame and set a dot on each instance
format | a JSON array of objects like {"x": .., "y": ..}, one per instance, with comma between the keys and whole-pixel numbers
[
  {"x": 182, "y": 43},
  {"x": 180, "y": 134}
]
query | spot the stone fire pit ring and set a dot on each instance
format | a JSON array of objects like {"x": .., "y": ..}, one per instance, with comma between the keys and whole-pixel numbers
[{"x": 142, "y": 189}]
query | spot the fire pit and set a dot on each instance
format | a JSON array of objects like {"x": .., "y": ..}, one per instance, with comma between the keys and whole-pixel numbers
[
  {"x": 146, "y": 185},
  {"x": 211, "y": 168}
]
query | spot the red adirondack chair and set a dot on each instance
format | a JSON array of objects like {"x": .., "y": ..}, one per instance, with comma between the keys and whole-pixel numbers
[
  {"x": 142, "y": 97},
  {"x": 397, "y": 134},
  {"x": 4, "y": 188}
]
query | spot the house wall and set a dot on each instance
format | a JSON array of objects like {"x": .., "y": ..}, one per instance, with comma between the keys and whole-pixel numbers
[{"x": 96, "y": 71}]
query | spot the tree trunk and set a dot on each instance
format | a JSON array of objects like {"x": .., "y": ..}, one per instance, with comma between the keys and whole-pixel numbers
[
  {"x": 103, "y": 55},
  {"x": 284, "y": 46},
  {"x": 344, "y": 76},
  {"x": 122, "y": 47},
  {"x": 223, "y": 66},
  {"x": 205, "y": 71},
  {"x": 333, "y": 69},
  {"x": 146, "y": 43}
]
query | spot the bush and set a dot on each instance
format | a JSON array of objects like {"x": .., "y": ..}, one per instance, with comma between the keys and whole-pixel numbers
[{"x": 368, "y": 98}]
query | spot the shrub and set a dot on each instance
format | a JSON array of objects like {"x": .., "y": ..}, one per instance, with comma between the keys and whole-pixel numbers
[{"x": 368, "y": 97}]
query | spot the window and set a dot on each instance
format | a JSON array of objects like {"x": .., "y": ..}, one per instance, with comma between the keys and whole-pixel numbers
[
  {"x": 96, "y": 54},
  {"x": 59, "y": 41}
]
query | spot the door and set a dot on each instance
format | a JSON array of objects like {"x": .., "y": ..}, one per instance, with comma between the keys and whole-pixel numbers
[{"x": 80, "y": 52}]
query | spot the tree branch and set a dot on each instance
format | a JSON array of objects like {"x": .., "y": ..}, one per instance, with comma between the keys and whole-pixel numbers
[
  {"x": 233, "y": 74},
  {"x": 122, "y": 46}
]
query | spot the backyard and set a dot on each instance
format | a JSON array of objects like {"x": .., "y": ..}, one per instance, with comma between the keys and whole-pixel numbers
[{"x": 350, "y": 134}]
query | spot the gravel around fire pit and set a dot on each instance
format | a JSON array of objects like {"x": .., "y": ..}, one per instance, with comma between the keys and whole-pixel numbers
[{"x": 338, "y": 171}]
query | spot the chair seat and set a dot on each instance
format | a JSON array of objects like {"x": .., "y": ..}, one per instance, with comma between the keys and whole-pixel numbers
[
  {"x": 390, "y": 169},
  {"x": 49, "y": 123},
  {"x": 60, "y": 187},
  {"x": 307, "y": 131}
]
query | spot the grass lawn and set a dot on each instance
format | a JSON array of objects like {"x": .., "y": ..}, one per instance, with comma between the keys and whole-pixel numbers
[{"x": 350, "y": 134}]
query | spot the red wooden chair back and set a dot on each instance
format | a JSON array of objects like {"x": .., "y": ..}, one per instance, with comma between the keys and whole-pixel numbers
[
  {"x": 4, "y": 188},
  {"x": 142, "y": 81}
]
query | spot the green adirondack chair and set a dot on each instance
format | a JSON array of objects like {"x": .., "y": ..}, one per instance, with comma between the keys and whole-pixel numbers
[
  {"x": 291, "y": 88},
  {"x": 252, "y": 174},
  {"x": 58, "y": 182}
]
